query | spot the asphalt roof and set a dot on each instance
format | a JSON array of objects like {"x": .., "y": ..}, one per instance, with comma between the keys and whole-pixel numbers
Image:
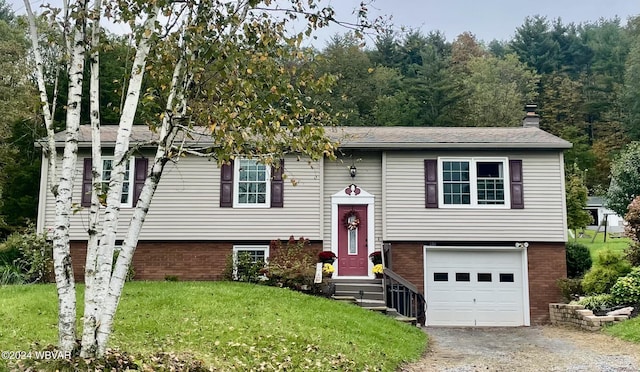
[{"x": 383, "y": 137}]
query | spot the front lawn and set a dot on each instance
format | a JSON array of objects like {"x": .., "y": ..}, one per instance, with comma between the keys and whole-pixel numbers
[{"x": 230, "y": 326}]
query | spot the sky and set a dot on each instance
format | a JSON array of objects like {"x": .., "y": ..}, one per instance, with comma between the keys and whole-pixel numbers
[{"x": 487, "y": 19}]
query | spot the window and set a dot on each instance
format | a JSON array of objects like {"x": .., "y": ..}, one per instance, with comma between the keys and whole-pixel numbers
[
  {"x": 506, "y": 278},
  {"x": 108, "y": 163},
  {"x": 352, "y": 238},
  {"x": 473, "y": 182},
  {"x": 463, "y": 277},
  {"x": 440, "y": 277},
  {"x": 484, "y": 277},
  {"x": 252, "y": 184},
  {"x": 255, "y": 254},
  {"x": 135, "y": 176}
]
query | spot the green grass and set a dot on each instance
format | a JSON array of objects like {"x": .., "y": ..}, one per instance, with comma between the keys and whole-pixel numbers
[
  {"x": 227, "y": 325},
  {"x": 615, "y": 244},
  {"x": 628, "y": 330}
]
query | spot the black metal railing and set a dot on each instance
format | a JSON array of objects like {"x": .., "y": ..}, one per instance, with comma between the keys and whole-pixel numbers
[{"x": 403, "y": 296}]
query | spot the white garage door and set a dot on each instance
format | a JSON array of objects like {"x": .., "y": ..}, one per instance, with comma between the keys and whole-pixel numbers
[{"x": 475, "y": 288}]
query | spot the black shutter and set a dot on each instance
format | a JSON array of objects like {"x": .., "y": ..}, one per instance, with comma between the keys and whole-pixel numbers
[
  {"x": 431, "y": 183},
  {"x": 226, "y": 185},
  {"x": 517, "y": 193},
  {"x": 141, "y": 168},
  {"x": 86, "y": 183},
  {"x": 277, "y": 186}
]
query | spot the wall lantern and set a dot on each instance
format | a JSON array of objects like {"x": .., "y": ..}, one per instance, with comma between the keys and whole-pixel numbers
[{"x": 352, "y": 171}]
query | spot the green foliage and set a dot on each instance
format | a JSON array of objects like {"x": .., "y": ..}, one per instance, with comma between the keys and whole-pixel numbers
[
  {"x": 597, "y": 302},
  {"x": 578, "y": 259},
  {"x": 626, "y": 291},
  {"x": 604, "y": 274},
  {"x": 292, "y": 265},
  {"x": 248, "y": 270},
  {"x": 625, "y": 179},
  {"x": 11, "y": 274},
  {"x": 35, "y": 259},
  {"x": 227, "y": 325},
  {"x": 576, "y": 195},
  {"x": 570, "y": 288},
  {"x": 171, "y": 278},
  {"x": 632, "y": 230}
]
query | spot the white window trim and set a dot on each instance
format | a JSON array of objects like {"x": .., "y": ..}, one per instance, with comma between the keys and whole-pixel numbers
[
  {"x": 132, "y": 163},
  {"x": 238, "y": 248},
  {"x": 473, "y": 180},
  {"x": 236, "y": 187}
]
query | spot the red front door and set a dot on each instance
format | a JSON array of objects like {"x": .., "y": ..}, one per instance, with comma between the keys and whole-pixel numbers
[{"x": 352, "y": 240}]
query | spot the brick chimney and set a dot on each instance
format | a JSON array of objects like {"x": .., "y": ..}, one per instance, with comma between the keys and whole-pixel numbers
[{"x": 531, "y": 119}]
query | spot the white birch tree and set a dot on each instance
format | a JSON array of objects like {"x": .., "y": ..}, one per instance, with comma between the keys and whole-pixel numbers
[{"x": 230, "y": 70}]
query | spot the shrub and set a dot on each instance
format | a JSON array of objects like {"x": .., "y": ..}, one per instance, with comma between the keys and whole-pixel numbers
[
  {"x": 597, "y": 302},
  {"x": 626, "y": 291},
  {"x": 35, "y": 255},
  {"x": 292, "y": 265},
  {"x": 570, "y": 288},
  {"x": 632, "y": 253},
  {"x": 578, "y": 259},
  {"x": 243, "y": 268},
  {"x": 608, "y": 268}
]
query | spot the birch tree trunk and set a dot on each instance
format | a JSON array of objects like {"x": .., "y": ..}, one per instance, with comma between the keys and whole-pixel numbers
[
  {"x": 90, "y": 305},
  {"x": 61, "y": 252},
  {"x": 47, "y": 110}
]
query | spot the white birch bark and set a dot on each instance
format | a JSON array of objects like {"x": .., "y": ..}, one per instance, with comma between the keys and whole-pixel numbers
[
  {"x": 47, "y": 112},
  {"x": 61, "y": 253},
  {"x": 90, "y": 305},
  {"x": 167, "y": 136},
  {"x": 104, "y": 256}
]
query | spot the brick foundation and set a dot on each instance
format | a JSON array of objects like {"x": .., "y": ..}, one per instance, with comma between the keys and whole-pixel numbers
[
  {"x": 546, "y": 264},
  {"x": 186, "y": 260}
]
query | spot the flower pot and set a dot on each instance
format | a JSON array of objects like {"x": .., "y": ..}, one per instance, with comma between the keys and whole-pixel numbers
[{"x": 379, "y": 276}]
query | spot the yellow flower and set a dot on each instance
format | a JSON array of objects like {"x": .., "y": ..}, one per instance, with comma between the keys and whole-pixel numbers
[
  {"x": 327, "y": 268},
  {"x": 377, "y": 269}
]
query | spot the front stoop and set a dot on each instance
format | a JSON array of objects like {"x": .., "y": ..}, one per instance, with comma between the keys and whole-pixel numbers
[{"x": 366, "y": 293}]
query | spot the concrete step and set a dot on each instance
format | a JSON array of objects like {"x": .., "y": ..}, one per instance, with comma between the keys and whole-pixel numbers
[
  {"x": 367, "y": 303},
  {"x": 356, "y": 287},
  {"x": 365, "y": 295}
]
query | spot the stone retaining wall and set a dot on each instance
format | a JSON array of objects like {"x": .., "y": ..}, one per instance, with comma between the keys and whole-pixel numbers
[{"x": 578, "y": 316}]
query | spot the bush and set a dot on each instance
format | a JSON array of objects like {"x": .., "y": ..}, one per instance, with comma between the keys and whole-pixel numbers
[
  {"x": 626, "y": 291},
  {"x": 578, "y": 259},
  {"x": 292, "y": 265},
  {"x": 632, "y": 253},
  {"x": 35, "y": 255},
  {"x": 597, "y": 302},
  {"x": 570, "y": 288},
  {"x": 608, "y": 268},
  {"x": 243, "y": 269}
]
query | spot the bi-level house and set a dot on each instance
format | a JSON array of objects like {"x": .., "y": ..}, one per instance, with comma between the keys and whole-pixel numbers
[{"x": 473, "y": 218}]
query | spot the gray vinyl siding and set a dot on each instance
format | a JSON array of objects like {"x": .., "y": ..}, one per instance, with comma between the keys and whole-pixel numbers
[
  {"x": 186, "y": 206},
  {"x": 369, "y": 178},
  {"x": 542, "y": 219}
]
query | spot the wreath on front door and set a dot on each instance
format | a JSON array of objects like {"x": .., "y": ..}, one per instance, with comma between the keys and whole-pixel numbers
[{"x": 351, "y": 223}]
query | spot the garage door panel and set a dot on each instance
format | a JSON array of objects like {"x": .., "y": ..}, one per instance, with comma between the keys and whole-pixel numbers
[{"x": 474, "y": 288}]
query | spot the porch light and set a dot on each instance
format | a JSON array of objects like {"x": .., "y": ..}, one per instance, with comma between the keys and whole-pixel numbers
[{"x": 352, "y": 171}]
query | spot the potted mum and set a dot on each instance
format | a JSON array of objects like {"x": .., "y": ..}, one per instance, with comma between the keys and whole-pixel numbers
[
  {"x": 327, "y": 257},
  {"x": 378, "y": 270},
  {"x": 327, "y": 270}
]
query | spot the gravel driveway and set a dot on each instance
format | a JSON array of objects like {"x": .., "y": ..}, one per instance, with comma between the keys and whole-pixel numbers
[{"x": 542, "y": 348}]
